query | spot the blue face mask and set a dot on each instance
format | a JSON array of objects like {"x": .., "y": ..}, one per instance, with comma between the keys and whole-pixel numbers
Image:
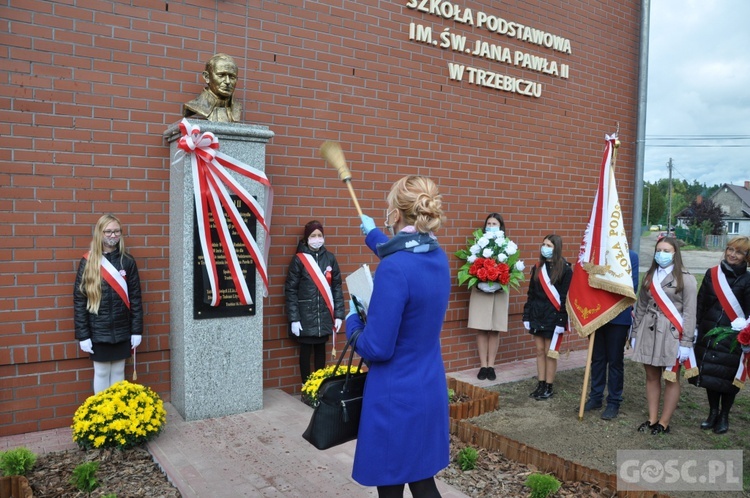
[
  {"x": 663, "y": 259},
  {"x": 547, "y": 252},
  {"x": 492, "y": 229}
]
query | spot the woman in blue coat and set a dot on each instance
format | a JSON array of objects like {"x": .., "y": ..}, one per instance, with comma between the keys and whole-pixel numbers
[{"x": 403, "y": 432}]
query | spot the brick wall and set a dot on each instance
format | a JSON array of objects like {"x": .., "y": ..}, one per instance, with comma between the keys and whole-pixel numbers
[{"x": 88, "y": 87}]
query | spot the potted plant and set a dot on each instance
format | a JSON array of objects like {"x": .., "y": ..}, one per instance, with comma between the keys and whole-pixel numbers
[
  {"x": 15, "y": 464},
  {"x": 122, "y": 416}
]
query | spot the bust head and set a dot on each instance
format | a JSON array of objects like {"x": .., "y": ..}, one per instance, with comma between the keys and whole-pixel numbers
[
  {"x": 221, "y": 75},
  {"x": 216, "y": 102}
]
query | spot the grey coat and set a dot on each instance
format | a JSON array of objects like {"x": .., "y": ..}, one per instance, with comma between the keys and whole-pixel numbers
[{"x": 657, "y": 340}]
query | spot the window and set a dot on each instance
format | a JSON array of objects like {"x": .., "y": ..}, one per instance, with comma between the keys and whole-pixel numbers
[{"x": 733, "y": 227}]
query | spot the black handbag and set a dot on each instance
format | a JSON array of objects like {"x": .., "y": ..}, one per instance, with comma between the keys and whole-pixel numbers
[{"x": 335, "y": 420}]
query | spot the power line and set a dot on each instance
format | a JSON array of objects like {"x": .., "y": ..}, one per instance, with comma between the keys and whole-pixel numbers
[{"x": 689, "y": 141}]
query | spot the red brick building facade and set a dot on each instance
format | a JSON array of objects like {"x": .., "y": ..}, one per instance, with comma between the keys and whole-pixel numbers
[{"x": 503, "y": 103}]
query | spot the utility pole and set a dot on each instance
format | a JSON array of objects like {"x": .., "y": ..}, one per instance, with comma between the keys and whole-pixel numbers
[{"x": 669, "y": 195}]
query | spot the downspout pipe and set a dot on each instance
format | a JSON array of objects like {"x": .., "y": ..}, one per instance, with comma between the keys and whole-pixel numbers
[{"x": 640, "y": 142}]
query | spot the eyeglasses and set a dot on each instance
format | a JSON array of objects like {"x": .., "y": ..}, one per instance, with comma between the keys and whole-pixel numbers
[
  {"x": 732, "y": 250},
  {"x": 110, "y": 233}
]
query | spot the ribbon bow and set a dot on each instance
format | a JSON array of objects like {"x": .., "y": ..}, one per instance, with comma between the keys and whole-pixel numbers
[{"x": 210, "y": 176}]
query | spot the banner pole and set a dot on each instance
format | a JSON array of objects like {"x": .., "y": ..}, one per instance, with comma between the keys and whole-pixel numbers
[{"x": 586, "y": 375}]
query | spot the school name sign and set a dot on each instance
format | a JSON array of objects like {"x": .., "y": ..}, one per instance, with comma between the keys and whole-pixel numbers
[{"x": 492, "y": 78}]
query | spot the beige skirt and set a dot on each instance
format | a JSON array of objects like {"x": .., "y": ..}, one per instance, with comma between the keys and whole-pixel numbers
[{"x": 488, "y": 311}]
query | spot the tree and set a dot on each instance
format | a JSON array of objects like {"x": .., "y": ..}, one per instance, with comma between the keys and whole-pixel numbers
[
  {"x": 704, "y": 213},
  {"x": 655, "y": 206}
]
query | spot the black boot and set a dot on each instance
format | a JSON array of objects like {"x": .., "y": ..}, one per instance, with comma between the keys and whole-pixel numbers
[
  {"x": 710, "y": 421},
  {"x": 546, "y": 394},
  {"x": 540, "y": 387},
  {"x": 722, "y": 424}
]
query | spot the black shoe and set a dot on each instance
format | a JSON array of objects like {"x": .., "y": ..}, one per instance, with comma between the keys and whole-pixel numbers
[
  {"x": 539, "y": 389},
  {"x": 610, "y": 412},
  {"x": 482, "y": 375},
  {"x": 546, "y": 394},
  {"x": 659, "y": 429},
  {"x": 491, "y": 375},
  {"x": 710, "y": 421},
  {"x": 646, "y": 426},
  {"x": 722, "y": 424},
  {"x": 592, "y": 405}
]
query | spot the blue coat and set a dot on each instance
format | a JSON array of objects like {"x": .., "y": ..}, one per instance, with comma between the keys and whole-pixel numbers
[{"x": 403, "y": 433}]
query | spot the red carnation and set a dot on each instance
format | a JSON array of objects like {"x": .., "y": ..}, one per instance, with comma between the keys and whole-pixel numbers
[
  {"x": 482, "y": 274},
  {"x": 489, "y": 263},
  {"x": 493, "y": 273},
  {"x": 503, "y": 273},
  {"x": 744, "y": 336}
]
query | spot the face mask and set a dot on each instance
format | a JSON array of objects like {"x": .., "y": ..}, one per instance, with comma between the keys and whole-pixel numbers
[
  {"x": 315, "y": 244},
  {"x": 387, "y": 216},
  {"x": 111, "y": 241},
  {"x": 547, "y": 252},
  {"x": 663, "y": 259},
  {"x": 492, "y": 229}
]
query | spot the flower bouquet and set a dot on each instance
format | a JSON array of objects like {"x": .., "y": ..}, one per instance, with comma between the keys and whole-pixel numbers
[
  {"x": 122, "y": 416},
  {"x": 491, "y": 264},
  {"x": 312, "y": 384}
]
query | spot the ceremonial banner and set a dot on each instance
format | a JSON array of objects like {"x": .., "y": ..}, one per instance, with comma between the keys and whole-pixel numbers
[{"x": 602, "y": 284}]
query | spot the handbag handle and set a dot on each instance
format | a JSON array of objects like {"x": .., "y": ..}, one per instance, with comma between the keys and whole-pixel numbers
[{"x": 350, "y": 343}]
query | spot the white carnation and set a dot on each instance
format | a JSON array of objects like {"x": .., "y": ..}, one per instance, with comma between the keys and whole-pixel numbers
[
  {"x": 471, "y": 258},
  {"x": 520, "y": 266},
  {"x": 502, "y": 257},
  {"x": 511, "y": 248},
  {"x": 487, "y": 253},
  {"x": 475, "y": 249},
  {"x": 483, "y": 241}
]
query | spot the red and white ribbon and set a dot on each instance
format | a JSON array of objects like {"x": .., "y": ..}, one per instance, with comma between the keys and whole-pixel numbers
[
  {"x": 210, "y": 175},
  {"x": 114, "y": 279},
  {"x": 550, "y": 289},
  {"x": 554, "y": 345},
  {"x": 741, "y": 376},
  {"x": 690, "y": 365},
  {"x": 723, "y": 291}
]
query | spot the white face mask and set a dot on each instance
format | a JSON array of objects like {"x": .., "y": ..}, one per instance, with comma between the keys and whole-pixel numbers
[
  {"x": 315, "y": 244},
  {"x": 387, "y": 226},
  {"x": 663, "y": 258},
  {"x": 492, "y": 229},
  {"x": 547, "y": 252}
]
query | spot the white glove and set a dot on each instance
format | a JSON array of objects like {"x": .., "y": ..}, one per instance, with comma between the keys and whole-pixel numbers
[
  {"x": 527, "y": 325},
  {"x": 632, "y": 343},
  {"x": 336, "y": 325},
  {"x": 135, "y": 341},
  {"x": 683, "y": 353},
  {"x": 296, "y": 327},
  {"x": 739, "y": 323},
  {"x": 695, "y": 335},
  {"x": 559, "y": 330},
  {"x": 86, "y": 346}
]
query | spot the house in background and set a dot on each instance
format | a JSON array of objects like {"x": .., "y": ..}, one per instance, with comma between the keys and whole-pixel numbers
[{"x": 734, "y": 201}]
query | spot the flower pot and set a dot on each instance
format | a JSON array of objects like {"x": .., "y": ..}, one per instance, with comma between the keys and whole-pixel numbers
[{"x": 15, "y": 487}]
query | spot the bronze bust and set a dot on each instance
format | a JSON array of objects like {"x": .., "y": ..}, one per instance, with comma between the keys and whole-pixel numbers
[{"x": 215, "y": 103}]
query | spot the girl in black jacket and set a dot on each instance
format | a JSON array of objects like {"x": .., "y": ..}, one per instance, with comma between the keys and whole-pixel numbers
[
  {"x": 719, "y": 356},
  {"x": 107, "y": 303},
  {"x": 314, "y": 298},
  {"x": 542, "y": 316}
]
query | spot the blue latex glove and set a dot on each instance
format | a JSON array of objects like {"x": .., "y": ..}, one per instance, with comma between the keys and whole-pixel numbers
[
  {"x": 367, "y": 224},
  {"x": 352, "y": 308}
]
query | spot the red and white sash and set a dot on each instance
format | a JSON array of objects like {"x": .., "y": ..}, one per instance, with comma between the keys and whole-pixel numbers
[
  {"x": 728, "y": 300},
  {"x": 741, "y": 376},
  {"x": 114, "y": 279},
  {"x": 666, "y": 306},
  {"x": 675, "y": 318},
  {"x": 550, "y": 289},
  {"x": 320, "y": 280},
  {"x": 554, "y": 297}
]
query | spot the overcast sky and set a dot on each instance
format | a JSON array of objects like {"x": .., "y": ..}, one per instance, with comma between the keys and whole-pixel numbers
[{"x": 699, "y": 87}]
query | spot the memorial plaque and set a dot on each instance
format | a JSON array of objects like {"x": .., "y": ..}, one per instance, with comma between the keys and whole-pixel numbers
[{"x": 230, "y": 304}]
